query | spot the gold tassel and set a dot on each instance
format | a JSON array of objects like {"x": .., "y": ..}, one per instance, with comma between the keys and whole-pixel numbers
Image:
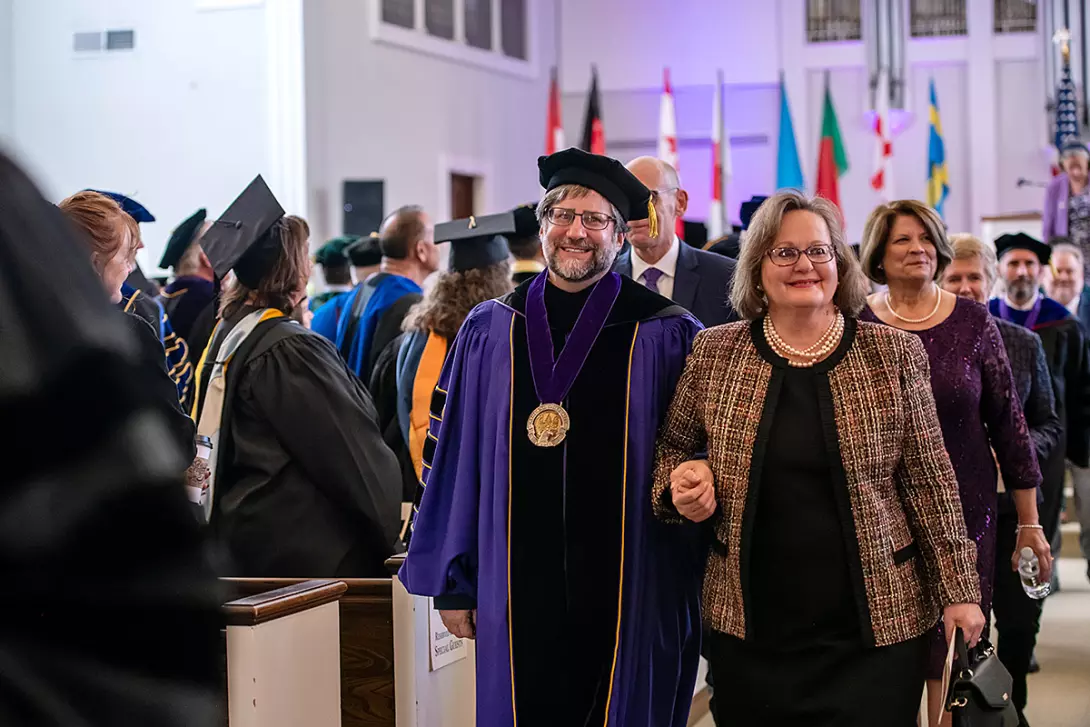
[{"x": 652, "y": 219}]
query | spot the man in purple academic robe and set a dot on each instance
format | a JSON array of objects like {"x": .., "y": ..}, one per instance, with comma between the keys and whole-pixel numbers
[{"x": 534, "y": 530}]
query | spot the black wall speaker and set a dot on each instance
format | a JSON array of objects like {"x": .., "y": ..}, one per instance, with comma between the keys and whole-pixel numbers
[{"x": 363, "y": 206}]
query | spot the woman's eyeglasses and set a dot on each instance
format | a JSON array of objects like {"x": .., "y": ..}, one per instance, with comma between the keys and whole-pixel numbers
[{"x": 785, "y": 256}]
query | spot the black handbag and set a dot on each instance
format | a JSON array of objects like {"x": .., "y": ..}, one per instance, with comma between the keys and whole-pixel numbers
[{"x": 980, "y": 687}]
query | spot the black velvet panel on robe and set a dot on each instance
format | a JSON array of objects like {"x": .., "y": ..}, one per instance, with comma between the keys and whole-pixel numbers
[{"x": 566, "y": 511}]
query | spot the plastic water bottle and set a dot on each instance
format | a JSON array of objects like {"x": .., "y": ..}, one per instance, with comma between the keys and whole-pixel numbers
[{"x": 1029, "y": 569}]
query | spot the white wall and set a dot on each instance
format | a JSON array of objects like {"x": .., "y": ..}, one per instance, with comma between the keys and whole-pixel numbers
[
  {"x": 631, "y": 41},
  {"x": 990, "y": 91},
  {"x": 6, "y": 58},
  {"x": 179, "y": 123},
  {"x": 380, "y": 111}
]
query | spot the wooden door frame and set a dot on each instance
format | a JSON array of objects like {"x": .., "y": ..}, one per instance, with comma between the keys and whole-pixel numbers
[{"x": 469, "y": 166}]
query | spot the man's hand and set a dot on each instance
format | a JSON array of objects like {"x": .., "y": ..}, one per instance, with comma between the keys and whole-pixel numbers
[
  {"x": 692, "y": 490},
  {"x": 462, "y": 624}
]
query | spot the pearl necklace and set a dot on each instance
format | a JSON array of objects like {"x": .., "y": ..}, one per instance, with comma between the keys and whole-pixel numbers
[
  {"x": 929, "y": 316},
  {"x": 811, "y": 355}
]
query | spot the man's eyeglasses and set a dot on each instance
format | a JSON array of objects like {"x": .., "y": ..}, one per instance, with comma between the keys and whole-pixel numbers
[
  {"x": 562, "y": 217},
  {"x": 657, "y": 193},
  {"x": 786, "y": 256}
]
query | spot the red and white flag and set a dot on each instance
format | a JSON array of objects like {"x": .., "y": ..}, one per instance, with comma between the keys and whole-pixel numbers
[
  {"x": 882, "y": 179},
  {"x": 721, "y": 166},
  {"x": 554, "y": 134},
  {"x": 668, "y": 133}
]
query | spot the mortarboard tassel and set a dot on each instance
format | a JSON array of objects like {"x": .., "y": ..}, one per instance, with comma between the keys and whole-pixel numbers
[{"x": 652, "y": 219}]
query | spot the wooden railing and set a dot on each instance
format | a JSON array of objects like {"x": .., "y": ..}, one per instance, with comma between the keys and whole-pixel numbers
[
  {"x": 367, "y": 645},
  {"x": 283, "y": 656}
]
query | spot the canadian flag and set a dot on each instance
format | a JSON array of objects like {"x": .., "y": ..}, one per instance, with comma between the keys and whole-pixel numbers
[
  {"x": 721, "y": 165},
  {"x": 554, "y": 134},
  {"x": 882, "y": 179},
  {"x": 668, "y": 133}
]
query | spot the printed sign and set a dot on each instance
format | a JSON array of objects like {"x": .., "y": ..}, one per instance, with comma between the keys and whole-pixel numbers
[{"x": 444, "y": 648}]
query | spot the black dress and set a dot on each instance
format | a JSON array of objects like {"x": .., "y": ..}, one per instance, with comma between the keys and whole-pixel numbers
[{"x": 803, "y": 661}]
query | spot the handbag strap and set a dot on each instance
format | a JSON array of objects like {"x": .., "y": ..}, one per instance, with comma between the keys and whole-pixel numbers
[{"x": 947, "y": 670}]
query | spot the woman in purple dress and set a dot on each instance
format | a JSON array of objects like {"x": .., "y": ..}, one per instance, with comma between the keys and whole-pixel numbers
[{"x": 905, "y": 247}]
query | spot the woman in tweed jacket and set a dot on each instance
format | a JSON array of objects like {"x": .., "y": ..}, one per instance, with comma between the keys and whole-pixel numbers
[{"x": 837, "y": 531}]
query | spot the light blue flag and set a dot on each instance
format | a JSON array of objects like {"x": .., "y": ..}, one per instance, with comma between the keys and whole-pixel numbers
[{"x": 788, "y": 168}]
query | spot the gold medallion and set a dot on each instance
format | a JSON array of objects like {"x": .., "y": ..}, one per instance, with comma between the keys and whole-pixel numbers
[{"x": 548, "y": 425}]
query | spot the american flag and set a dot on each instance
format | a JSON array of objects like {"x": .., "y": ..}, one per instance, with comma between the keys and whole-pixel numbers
[{"x": 1067, "y": 116}]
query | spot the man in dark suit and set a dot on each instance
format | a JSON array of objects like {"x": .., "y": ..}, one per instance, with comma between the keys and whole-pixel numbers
[
  {"x": 1069, "y": 288},
  {"x": 694, "y": 279},
  {"x": 1067, "y": 284}
]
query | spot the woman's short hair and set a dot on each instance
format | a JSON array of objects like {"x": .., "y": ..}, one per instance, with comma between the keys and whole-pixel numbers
[
  {"x": 968, "y": 247},
  {"x": 287, "y": 277},
  {"x": 746, "y": 295},
  {"x": 103, "y": 224},
  {"x": 877, "y": 229},
  {"x": 454, "y": 295}
]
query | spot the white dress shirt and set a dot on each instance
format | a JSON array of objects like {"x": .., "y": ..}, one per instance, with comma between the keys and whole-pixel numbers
[
  {"x": 1073, "y": 306},
  {"x": 667, "y": 265}
]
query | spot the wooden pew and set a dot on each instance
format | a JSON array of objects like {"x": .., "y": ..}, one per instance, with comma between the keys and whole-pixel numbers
[
  {"x": 283, "y": 656},
  {"x": 367, "y": 645}
]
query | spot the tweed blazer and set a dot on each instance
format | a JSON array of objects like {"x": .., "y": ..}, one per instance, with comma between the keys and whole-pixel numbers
[{"x": 893, "y": 480}]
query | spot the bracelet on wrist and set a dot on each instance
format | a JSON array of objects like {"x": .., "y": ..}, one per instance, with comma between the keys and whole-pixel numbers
[{"x": 1030, "y": 526}]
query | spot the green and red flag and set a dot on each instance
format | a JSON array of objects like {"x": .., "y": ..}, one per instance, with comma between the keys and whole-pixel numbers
[{"x": 832, "y": 158}]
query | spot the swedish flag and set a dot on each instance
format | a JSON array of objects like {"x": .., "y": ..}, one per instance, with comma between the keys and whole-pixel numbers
[{"x": 938, "y": 187}]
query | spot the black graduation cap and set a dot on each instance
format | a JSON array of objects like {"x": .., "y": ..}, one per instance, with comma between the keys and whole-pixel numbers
[
  {"x": 182, "y": 237},
  {"x": 131, "y": 207},
  {"x": 748, "y": 209},
  {"x": 695, "y": 234},
  {"x": 1022, "y": 241},
  {"x": 238, "y": 239},
  {"x": 477, "y": 242},
  {"x": 526, "y": 224},
  {"x": 365, "y": 253},
  {"x": 604, "y": 175}
]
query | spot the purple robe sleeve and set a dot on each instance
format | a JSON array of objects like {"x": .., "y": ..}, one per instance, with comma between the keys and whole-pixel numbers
[
  {"x": 442, "y": 557},
  {"x": 682, "y": 435},
  {"x": 1001, "y": 411},
  {"x": 1052, "y": 224}
]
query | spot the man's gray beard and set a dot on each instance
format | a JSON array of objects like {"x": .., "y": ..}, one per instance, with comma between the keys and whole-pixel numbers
[
  {"x": 1022, "y": 290},
  {"x": 577, "y": 272}
]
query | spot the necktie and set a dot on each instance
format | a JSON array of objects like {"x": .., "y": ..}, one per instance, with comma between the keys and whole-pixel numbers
[{"x": 651, "y": 278}]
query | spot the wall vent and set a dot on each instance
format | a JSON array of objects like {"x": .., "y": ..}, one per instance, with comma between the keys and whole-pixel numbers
[
  {"x": 120, "y": 39},
  {"x": 110, "y": 40},
  {"x": 87, "y": 42}
]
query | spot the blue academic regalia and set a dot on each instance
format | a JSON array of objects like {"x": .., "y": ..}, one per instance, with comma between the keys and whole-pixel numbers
[
  {"x": 328, "y": 316},
  {"x": 175, "y": 349},
  {"x": 470, "y": 535},
  {"x": 387, "y": 290}
]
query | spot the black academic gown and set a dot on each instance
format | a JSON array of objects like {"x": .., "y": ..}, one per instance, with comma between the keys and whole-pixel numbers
[
  {"x": 384, "y": 391},
  {"x": 306, "y": 487},
  {"x": 160, "y": 387}
]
